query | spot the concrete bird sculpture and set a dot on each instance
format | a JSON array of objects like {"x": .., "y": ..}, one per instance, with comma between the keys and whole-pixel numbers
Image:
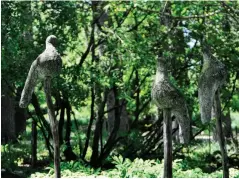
[
  {"x": 212, "y": 77},
  {"x": 167, "y": 96},
  {"x": 47, "y": 64}
]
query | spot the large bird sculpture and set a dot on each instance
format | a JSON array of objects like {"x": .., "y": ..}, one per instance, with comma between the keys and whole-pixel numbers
[
  {"x": 47, "y": 64},
  {"x": 212, "y": 77},
  {"x": 167, "y": 96}
]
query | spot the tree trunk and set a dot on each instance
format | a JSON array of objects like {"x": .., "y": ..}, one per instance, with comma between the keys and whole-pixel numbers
[
  {"x": 34, "y": 143},
  {"x": 97, "y": 133},
  {"x": 54, "y": 127},
  {"x": 69, "y": 154},
  {"x": 20, "y": 115},
  {"x": 221, "y": 138},
  {"x": 43, "y": 123},
  {"x": 97, "y": 8},
  {"x": 111, "y": 114},
  {"x": 137, "y": 100},
  {"x": 61, "y": 122},
  {"x": 226, "y": 126},
  {"x": 7, "y": 115},
  {"x": 176, "y": 134},
  {"x": 90, "y": 123},
  {"x": 112, "y": 138},
  {"x": 167, "y": 136},
  {"x": 124, "y": 118},
  {"x": 235, "y": 141}
]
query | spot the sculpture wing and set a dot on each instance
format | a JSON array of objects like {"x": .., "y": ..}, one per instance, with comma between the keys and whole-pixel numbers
[
  {"x": 30, "y": 84},
  {"x": 180, "y": 111},
  {"x": 166, "y": 95},
  {"x": 213, "y": 76},
  {"x": 206, "y": 91}
]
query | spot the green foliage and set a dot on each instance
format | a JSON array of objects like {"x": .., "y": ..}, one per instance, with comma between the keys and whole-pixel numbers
[
  {"x": 179, "y": 172},
  {"x": 193, "y": 166},
  {"x": 235, "y": 121},
  {"x": 13, "y": 154},
  {"x": 7, "y": 159},
  {"x": 235, "y": 102},
  {"x": 138, "y": 168},
  {"x": 70, "y": 169}
]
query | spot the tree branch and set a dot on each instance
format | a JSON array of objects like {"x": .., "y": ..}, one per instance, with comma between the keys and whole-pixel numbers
[
  {"x": 233, "y": 89},
  {"x": 229, "y": 10},
  {"x": 179, "y": 17},
  {"x": 83, "y": 57}
]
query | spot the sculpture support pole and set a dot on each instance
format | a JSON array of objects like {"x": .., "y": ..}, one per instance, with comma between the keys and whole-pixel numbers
[
  {"x": 221, "y": 137},
  {"x": 167, "y": 137},
  {"x": 34, "y": 143},
  {"x": 54, "y": 126}
]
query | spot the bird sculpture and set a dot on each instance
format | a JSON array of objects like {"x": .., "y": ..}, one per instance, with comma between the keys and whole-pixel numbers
[
  {"x": 212, "y": 77},
  {"x": 167, "y": 96},
  {"x": 47, "y": 64}
]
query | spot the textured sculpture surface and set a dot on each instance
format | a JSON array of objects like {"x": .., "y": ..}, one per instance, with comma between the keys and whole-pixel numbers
[
  {"x": 212, "y": 77},
  {"x": 47, "y": 64},
  {"x": 167, "y": 96}
]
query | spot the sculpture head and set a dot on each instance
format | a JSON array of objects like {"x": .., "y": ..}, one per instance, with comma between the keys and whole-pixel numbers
[
  {"x": 206, "y": 51},
  {"x": 51, "y": 39},
  {"x": 163, "y": 64}
]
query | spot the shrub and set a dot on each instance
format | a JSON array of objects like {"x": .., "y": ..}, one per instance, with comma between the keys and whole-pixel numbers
[{"x": 136, "y": 169}]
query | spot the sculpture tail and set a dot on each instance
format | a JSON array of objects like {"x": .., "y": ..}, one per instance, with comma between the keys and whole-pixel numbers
[
  {"x": 184, "y": 124},
  {"x": 205, "y": 102},
  {"x": 29, "y": 86}
]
